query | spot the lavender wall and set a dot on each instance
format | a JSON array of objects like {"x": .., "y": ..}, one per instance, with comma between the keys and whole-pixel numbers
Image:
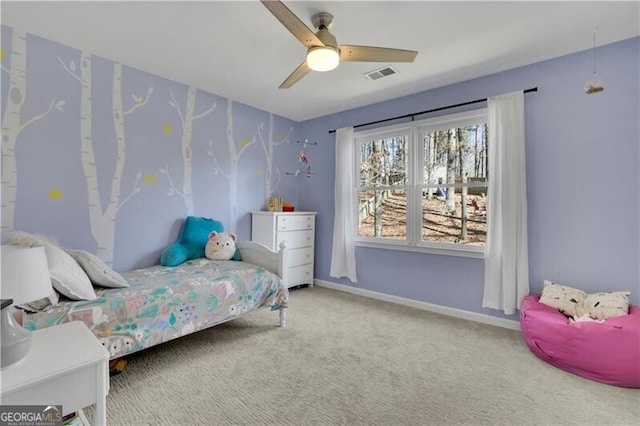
[
  {"x": 583, "y": 161},
  {"x": 583, "y": 183},
  {"x": 66, "y": 122}
]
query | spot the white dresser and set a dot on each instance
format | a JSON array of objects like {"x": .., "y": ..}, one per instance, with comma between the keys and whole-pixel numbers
[{"x": 297, "y": 229}]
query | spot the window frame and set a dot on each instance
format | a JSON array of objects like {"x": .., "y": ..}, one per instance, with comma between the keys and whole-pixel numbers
[{"x": 415, "y": 184}]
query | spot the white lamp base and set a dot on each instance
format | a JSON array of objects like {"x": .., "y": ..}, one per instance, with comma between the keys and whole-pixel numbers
[{"x": 16, "y": 340}]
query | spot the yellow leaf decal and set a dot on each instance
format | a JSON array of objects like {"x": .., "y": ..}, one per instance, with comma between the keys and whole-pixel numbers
[
  {"x": 150, "y": 178},
  {"x": 259, "y": 172},
  {"x": 55, "y": 194},
  {"x": 1, "y": 53},
  {"x": 167, "y": 128},
  {"x": 281, "y": 136},
  {"x": 244, "y": 142}
]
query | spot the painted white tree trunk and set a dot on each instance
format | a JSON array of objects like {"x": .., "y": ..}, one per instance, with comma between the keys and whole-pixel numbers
[
  {"x": 269, "y": 157},
  {"x": 12, "y": 125},
  {"x": 233, "y": 173},
  {"x": 268, "y": 145},
  {"x": 186, "y": 121},
  {"x": 187, "y": 135},
  {"x": 103, "y": 221},
  {"x": 102, "y": 230},
  {"x": 234, "y": 160}
]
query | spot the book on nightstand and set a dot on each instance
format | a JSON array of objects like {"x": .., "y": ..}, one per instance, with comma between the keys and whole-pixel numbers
[{"x": 75, "y": 419}]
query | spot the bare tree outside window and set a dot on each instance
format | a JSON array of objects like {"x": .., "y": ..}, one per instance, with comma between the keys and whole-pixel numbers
[
  {"x": 455, "y": 185},
  {"x": 382, "y": 196},
  {"x": 425, "y": 184}
]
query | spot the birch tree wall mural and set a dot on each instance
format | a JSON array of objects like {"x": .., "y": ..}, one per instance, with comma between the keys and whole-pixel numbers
[
  {"x": 186, "y": 121},
  {"x": 234, "y": 161},
  {"x": 268, "y": 144},
  {"x": 12, "y": 124},
  {"x": 74, "y": 170},
  {"x": 234, "y": 158},
  {"x": 103, "y": 219}
]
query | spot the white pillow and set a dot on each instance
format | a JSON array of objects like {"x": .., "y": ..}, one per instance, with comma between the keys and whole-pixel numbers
[
  {"x": 99, "y": 272},
  {"x": 601, "y": 306},
  {"x": 566, "y": 299},
  {"x": 66, "y": 275}
]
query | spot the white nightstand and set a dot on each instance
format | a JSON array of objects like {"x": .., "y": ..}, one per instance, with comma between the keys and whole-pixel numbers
[{"x": 66, "y": 366}]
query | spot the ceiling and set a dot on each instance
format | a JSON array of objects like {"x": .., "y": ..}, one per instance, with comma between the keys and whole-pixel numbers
[{"x": 238, "y": 50}]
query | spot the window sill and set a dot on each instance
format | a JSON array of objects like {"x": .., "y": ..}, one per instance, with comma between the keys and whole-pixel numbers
[{"x": 474, "y": 252}]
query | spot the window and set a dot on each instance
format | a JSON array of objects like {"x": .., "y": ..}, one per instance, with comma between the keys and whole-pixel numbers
[{"x": 423, "y": 185}]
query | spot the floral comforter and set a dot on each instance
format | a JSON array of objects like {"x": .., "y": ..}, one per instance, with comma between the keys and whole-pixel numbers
[{"x": 163, "y": 303}]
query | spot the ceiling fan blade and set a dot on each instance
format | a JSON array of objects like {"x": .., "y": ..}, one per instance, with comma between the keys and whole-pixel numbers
[
  {"x": 295, "y": 76},
  {"x": 349, "y": 53},
  {"x": 292, "y": 23}
]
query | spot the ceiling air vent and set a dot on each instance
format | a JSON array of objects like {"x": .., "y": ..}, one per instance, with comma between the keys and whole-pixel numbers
[{"x": 379, "y": 73}]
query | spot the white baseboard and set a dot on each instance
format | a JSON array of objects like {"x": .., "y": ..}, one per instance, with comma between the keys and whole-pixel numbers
[{"x": 438, "y": 309}]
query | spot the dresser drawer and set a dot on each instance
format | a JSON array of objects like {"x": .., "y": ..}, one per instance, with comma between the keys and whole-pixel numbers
[
  {"x": 294, "y": 223},
  {"x": 300, "y": 275},
  {"x": 300, "y": 256},
  {"x": 295, "y": 239}
]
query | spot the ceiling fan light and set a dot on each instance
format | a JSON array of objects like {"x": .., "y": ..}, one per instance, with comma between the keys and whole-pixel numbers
[{"x": 323, "y": 58}]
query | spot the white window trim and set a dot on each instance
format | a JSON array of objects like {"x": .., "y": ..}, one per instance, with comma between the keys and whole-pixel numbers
[{"x": 414, "y": 130}]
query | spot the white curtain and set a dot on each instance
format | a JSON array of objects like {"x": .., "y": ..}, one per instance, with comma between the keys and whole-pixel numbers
[
  {"x": 343, "y": 256},
  {"x": 506, "y": 276}
]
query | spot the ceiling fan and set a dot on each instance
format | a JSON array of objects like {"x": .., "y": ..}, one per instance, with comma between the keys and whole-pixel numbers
[{"x": 323, "y": 51}]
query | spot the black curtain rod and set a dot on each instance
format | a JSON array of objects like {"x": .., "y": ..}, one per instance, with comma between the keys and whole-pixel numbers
[{"x": 533, "y": 89}]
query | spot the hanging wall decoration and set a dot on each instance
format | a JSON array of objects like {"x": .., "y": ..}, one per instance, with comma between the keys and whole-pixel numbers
[
  {"x": 302, "y": 158},
  {"x": 594, "y": 84}
]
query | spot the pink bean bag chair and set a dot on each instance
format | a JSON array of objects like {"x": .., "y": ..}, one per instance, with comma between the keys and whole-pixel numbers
[{"x": 607, "y": 352}]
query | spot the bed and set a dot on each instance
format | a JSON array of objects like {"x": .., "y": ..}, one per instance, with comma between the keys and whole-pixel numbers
[{"x": 163, "y": 303}]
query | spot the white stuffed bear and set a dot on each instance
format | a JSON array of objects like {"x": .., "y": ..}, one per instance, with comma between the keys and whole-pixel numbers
[{"x": 220, "y": 246}]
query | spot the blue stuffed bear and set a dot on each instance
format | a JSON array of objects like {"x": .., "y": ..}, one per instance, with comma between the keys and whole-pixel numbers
[{"x": 191, "y": 242}]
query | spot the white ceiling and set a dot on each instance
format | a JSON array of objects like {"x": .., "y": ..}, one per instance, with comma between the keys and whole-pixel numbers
[{"x": 238, "y": 50}]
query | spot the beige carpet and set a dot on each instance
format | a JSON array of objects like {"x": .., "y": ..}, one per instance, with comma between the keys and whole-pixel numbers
[{"x": 349, "y": 360}]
